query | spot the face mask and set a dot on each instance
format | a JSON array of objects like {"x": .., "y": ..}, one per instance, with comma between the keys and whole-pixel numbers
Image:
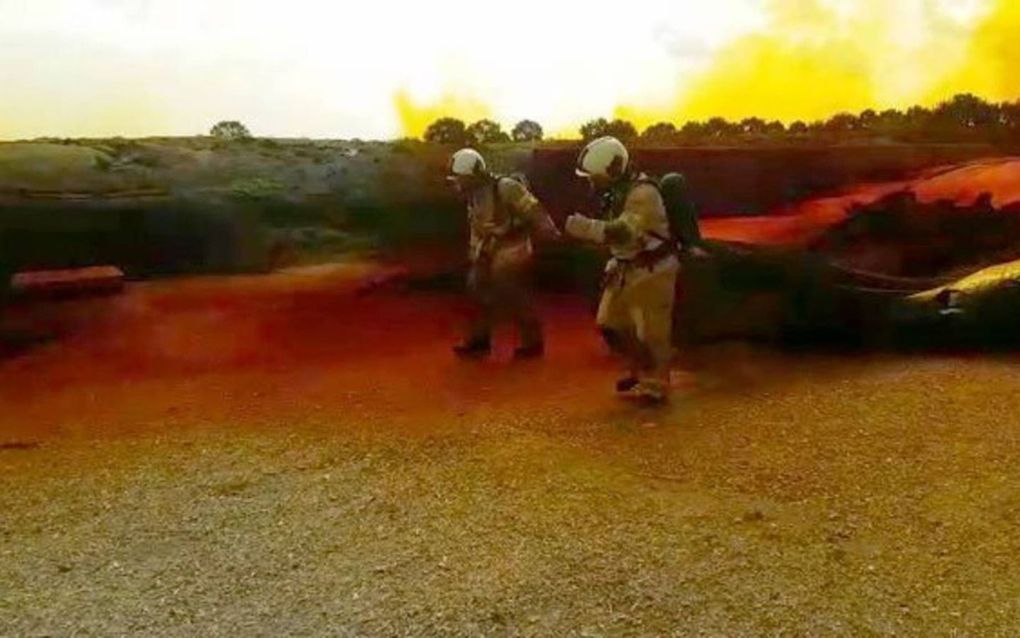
[{"x": 460, "y": 185}]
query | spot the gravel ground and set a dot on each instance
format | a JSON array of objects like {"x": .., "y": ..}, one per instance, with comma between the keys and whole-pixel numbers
[{"x": 780, "y": 495}]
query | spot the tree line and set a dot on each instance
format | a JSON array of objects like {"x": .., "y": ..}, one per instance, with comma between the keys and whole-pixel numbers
[{"x": 963, "y": 118}]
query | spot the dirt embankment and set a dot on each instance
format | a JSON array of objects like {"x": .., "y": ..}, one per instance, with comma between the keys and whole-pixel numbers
[
  {"x": 801, "y": 223},
  {"x": 167, "y": 206},
  {"x": 756, "y": 181}
]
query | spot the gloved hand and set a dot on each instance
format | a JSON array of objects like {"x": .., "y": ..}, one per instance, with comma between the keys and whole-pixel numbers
[
  {"x": 546, "y": 229},
  {"x": 585, "y": 228},
  {"x": 696, "y": 252}
]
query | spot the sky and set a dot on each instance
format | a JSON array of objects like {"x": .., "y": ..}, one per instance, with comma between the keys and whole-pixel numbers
[{"x": 384, "y": 69}]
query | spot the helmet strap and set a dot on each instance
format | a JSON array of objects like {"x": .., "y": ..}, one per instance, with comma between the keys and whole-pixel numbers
[{"x": 615, "y": 169}]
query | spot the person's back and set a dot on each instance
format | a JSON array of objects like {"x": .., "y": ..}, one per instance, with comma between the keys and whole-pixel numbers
[{"x": 502, "y": 217}]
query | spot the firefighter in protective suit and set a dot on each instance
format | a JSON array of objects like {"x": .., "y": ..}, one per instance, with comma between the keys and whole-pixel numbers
[
  {"x": 635, "y": 314},
  {"x": 503, "y": 216}
]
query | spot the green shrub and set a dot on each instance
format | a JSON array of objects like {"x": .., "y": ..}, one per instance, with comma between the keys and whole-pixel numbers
[
  {"x": 103, "y": 162},
  {"x": 230, "y": 130},
  {"x": 256, "y": 188},
  {"x": 403, "y": 146},
  {"x": 527, "y": 131},
  {"x": 447, "y": 130},
  {"x": 485, "y": 132}
]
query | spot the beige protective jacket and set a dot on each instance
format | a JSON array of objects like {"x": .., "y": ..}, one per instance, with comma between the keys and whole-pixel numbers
[
  {"x": 501, "y": 230},
  {"x": 638, "y": 228}
]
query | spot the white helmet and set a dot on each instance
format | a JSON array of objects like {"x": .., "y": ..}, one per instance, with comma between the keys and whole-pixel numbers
[
  {"x": 466, "y": 162},
  {"x": 604, "y": 156}
]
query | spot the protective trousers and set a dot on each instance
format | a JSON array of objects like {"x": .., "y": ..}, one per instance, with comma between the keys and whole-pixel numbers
[
  {"x": 636, "y": 318},
  {"x": 502, "y": 294}
]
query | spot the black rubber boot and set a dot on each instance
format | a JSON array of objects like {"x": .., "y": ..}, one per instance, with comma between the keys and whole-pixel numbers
[
  {"x": 626, "y": 384},
  {"x": 530, "y": 351},
  {"x": 473, "y": 349},
  {"x": 649, "y": 394}
]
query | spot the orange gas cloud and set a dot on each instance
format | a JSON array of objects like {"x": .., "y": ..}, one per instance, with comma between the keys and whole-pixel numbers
[{"x": 415, "y": 116}]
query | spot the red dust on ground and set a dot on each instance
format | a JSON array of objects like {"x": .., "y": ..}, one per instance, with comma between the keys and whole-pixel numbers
[
  {"x": 829, "y": 505},
  {"x": 286, "y": 347},
  {"x": 276, "y": 349}
]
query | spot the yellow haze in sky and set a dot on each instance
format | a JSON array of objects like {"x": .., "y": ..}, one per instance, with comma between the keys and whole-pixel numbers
[
  {"x": 815, "y": 59},
  {"x": 813, "y": 62},
  {"x": 992, "y": 65},
  {"x": 760, "y": 76},
  {"x": 415, "y": 117}
]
